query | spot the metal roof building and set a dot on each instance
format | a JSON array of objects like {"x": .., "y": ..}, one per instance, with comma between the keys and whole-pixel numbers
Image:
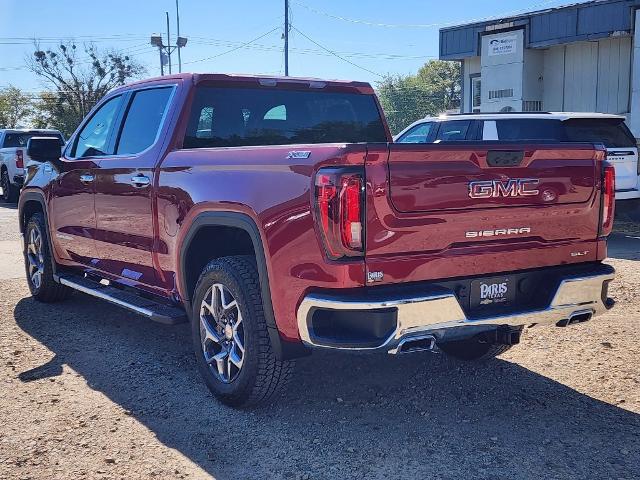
[{"x": 579, "y": 57}]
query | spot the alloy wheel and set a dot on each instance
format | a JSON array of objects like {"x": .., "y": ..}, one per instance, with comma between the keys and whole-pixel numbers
[
  {"x": 35, "y": 256},
  {"x": 222, "y": 333}
]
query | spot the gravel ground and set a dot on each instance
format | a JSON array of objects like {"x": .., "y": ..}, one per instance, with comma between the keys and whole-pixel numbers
[{"x": 90, "y": 391}]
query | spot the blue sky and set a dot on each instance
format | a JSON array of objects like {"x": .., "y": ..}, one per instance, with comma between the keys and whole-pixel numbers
[{"x": 216, "y": 26}]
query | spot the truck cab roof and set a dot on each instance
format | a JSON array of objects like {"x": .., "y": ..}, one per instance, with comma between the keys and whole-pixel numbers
[{"x": 263, "y": 80}]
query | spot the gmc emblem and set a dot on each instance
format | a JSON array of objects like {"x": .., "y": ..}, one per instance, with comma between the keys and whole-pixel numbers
[{"x": 515, "y": 187}]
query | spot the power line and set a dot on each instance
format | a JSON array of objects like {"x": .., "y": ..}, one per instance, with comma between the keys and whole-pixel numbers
[
  {"x": 335, "y": 54},
  {"x": 265, "y": 47},
  {"x": 135, "y": 51},
  {"x": 416, "y": 25},
  {"x": 235, "y": 48}
]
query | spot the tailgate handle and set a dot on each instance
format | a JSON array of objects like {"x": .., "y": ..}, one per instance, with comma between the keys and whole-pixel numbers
[{"x": 504, "y": 158}]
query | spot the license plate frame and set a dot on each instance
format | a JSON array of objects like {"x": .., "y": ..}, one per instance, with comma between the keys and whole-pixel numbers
[{"x": 492, "y": 292}]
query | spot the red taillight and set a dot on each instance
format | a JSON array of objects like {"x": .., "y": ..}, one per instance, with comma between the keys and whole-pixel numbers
[
  {"x": 339, "y": 210},
  {"x": 19, "y": 159},
  {"x": 608, "y": 199}
]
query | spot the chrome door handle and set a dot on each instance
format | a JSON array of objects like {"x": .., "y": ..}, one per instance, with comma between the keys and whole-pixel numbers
[
  {"x": 140, "y": 181},
  {"x": 86, "y": 178}
]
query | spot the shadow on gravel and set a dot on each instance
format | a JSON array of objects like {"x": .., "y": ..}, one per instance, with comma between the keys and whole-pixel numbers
[{"x": 417, "y": 416}]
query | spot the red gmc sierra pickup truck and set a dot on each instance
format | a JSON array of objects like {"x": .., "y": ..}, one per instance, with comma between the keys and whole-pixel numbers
[{"x": 277, "y": 216}]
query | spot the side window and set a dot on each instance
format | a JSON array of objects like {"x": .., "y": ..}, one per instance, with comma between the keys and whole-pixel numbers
[
  {"x": 143, "y": 120},
  {"x": 93, "y": 139},
  {"x": 530, "y": 129},
  {"x": 418, "y": 134},
  {"x": 453, "y": 131}
]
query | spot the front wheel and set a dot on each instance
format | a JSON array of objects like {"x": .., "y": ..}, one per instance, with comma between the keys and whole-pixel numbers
[
  {"x": 230, "y": 337},
  {"x": 38, "y": 263}
]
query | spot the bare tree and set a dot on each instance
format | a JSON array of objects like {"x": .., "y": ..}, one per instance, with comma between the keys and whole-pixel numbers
[{"x": 78, "y": 83}]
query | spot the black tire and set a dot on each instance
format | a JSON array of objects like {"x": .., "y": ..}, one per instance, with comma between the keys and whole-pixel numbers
[
  {"x": 473, "y": 349},
  {"x": 262, "y": 376},
  {"x": 48, "y": 290},
  {"x": 9, "y": 191}
]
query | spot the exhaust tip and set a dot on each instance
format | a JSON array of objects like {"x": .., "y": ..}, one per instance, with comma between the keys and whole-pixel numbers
[
  {"x": 415, "y": 344},
  {"x": 576, "y": 317}
]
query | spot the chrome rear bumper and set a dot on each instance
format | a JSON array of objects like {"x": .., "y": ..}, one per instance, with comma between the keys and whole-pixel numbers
[{"x": 433, "y": 314}]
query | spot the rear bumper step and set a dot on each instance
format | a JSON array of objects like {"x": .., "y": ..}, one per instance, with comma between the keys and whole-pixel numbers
[
  {"x": 412, "y": 320},
  {"x": 158, "y": 312}
]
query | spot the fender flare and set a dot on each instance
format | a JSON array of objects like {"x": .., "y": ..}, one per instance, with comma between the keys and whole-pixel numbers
[
  {"x": 36, "y": 196},
  {"x": 282, "y": 349}
]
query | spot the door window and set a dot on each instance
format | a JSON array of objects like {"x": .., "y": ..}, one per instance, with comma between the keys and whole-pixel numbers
[
  {"x": 530, "y": 129},
  {"x": 93, "y": 139},
  {"x": 418, "y": 134},
  {"x": 453, "y": 131},
  {"x": 143, "y": 120}
]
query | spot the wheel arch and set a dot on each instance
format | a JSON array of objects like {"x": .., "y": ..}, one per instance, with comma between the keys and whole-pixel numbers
[
  {"x": 29, "y": 203},
  {"x": 243, "y": 222}
]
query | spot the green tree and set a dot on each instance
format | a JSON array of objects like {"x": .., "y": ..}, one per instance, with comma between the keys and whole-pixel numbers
[
  {"x": 434, "y": 89},
  {"x": 75, "y": 84},
  {"x": 52, "y": 111},
  {"x": 15, "y": 108}
]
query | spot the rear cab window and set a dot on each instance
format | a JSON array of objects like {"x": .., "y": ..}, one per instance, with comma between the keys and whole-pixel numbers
[{"x": 248, "y": 116}]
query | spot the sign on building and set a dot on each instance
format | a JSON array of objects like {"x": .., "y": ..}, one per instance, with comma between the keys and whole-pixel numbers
[{"x": 503, "y": 45}]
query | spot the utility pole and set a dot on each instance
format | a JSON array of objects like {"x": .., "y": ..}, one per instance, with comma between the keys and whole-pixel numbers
[
  {"x": 286, "y": 38},
  {"x": 178, "y": 41},
  {"x": 168, "y": 49},
  {"x": 168, "y": 42}
]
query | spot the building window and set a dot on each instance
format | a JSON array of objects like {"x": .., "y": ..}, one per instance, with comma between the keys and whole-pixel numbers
[
  {"x": 531, "y": 106},
  {"x": 476, "y": 94},
  {"x": 504, "y": 93}
]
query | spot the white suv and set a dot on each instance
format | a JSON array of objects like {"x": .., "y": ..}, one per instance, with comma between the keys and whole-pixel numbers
[
  {"x": 13, "y": 158},
  {"x": 609, "y": 130}
]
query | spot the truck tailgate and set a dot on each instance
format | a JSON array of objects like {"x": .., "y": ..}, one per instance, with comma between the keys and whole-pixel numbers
[{"x": 442, "y": 211}]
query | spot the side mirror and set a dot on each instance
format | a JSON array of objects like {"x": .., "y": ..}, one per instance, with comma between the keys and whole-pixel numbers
[{"x": 43, "y": 149}]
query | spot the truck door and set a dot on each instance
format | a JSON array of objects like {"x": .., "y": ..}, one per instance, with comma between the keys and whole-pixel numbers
[
  {"x": 72, "y": 215},
  {"x": 124, "y": 188}
]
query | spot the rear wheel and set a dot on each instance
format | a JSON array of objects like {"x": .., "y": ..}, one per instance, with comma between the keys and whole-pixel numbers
[
  {"x": 230, "y": 337},
  {"x": 9, "y": 191},
  {"x": 38, "y": 263},
  {"x": 473, "y": 349}
]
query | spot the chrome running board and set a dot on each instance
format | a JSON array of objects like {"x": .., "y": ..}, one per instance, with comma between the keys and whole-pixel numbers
[{"x": 156, "y": 311}]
